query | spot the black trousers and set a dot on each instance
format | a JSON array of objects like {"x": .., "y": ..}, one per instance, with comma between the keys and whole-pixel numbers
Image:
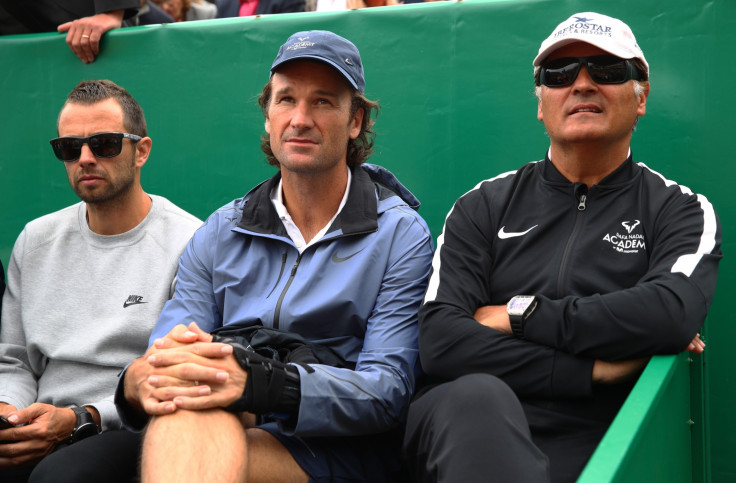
[
  {"x": 471, "y": 430},
  {"x": 475, "y": 429},
  {"x": 15, "y": 475},
  {"x": 110, "y": 457}
]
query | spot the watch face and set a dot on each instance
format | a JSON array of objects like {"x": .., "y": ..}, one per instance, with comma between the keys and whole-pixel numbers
[
  {"x": 517, "y": 305},
  {"x": 85, "y": 431}
]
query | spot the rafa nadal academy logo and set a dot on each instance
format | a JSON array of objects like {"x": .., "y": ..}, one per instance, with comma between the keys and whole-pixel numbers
[{"x": 628, "y": 242}]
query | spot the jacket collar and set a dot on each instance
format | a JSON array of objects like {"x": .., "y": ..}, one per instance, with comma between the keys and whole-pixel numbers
[
  {"x": 359, "y": 215},
  {"x": 622, "y": 174}
]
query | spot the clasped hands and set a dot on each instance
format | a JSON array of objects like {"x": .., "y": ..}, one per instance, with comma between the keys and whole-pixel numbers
[{"x": 184, "y": 370}]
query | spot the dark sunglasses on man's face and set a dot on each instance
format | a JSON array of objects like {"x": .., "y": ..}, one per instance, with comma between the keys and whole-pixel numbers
[
  {"x": 603, "y": 69},
  {"x": 102, "y": 145}
]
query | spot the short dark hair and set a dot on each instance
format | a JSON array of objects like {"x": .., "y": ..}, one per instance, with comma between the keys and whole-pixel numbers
[
  {"x": 93, "y": 91},
  {"x": 359, "y": 149}
]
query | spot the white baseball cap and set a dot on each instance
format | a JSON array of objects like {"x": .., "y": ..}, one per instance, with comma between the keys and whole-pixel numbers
[{"x": 606, "y": 33}]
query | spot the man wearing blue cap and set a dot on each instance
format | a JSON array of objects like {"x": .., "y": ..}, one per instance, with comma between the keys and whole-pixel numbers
[
  {"x": 301, "y": 301},
  {"x": 553, "y": 284}
]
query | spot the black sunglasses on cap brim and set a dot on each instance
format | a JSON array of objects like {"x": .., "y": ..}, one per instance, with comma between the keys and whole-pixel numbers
[
  {"x": 603, "y": 69},
  {"x": 102, "y": 145}
]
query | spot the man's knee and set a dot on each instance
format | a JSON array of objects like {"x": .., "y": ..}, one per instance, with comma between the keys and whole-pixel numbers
[
  {"x": 465, "y": 412},
  {"x": 471, "y": 398},
  {"x": 193, "y": 419},
  {"x": 176, "y": 439},
  {"x": 475, "y": 418},
  {"x": 182, "y": 425}
]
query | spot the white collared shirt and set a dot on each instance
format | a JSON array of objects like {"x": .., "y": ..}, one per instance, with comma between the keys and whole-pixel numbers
[{"x": 277, "y": 198}]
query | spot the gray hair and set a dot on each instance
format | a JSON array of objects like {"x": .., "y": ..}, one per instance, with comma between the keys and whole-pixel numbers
[{"x": 638, "y": 89}]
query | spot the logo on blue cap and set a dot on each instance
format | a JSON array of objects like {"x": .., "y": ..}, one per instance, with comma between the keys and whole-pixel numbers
[{"x": 302, "y": 44}]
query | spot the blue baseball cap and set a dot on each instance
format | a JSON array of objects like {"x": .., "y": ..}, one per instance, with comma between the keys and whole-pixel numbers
[{"x": 327, "y": 47}]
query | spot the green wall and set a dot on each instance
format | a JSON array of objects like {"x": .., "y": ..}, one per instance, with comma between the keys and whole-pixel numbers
[{"x": 454, "y": 81}]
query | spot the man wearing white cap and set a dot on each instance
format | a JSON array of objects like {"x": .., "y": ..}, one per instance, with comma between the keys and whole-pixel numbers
[
  {"x": 311, "y": 285},
  {"x": 552, "y": 285}
]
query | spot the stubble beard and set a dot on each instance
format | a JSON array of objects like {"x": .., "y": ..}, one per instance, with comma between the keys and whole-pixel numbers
[{"x": 113, "y": 190}]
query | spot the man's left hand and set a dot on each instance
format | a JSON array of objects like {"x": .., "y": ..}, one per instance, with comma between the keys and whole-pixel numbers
[
  {"x": 43, "y": 427},
  {"x": 84, "y": 34}
]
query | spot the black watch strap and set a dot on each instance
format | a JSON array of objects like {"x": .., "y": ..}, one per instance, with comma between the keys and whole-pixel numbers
[
  {"x": 517, "y": 325},
  {"x": 519, "y": 308},
  {"x": 85, "y": 426}
]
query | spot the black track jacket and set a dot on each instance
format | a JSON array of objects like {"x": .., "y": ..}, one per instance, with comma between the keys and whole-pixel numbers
[{"x": 624, "y": 270}]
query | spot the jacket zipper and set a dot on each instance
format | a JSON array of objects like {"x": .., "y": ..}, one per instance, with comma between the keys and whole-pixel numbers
[
  {"x": 281, "y": 273},
  {"x": 581, "y": 194},
  {"x": 581, "y": 201},
  {"x": 277, "y": 312}
]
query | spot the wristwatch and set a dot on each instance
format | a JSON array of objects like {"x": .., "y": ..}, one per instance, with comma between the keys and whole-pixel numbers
[
  {"x": 85, "y": 427},
  {"x": 519, "y": 309}
]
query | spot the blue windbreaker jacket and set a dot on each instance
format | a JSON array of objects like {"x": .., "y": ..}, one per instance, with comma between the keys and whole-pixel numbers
[{"x": 358, "y": 291}]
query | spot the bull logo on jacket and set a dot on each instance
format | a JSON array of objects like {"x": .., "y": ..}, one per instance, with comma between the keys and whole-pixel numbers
[{"x": 628, "y": 242}]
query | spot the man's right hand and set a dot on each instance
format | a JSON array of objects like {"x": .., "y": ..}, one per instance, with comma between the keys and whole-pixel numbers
[
  {"x": 83, "y": 34},
  {"x": 41, "y": 428}
]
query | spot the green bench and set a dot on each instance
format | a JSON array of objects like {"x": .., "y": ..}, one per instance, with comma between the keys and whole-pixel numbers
[{"x": 657, "y": 435}]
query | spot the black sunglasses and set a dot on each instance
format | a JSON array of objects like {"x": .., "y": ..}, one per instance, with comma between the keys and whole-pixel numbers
[
  {"x": 102, "y": 145},
  {"x": 603, "y": 69}
]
